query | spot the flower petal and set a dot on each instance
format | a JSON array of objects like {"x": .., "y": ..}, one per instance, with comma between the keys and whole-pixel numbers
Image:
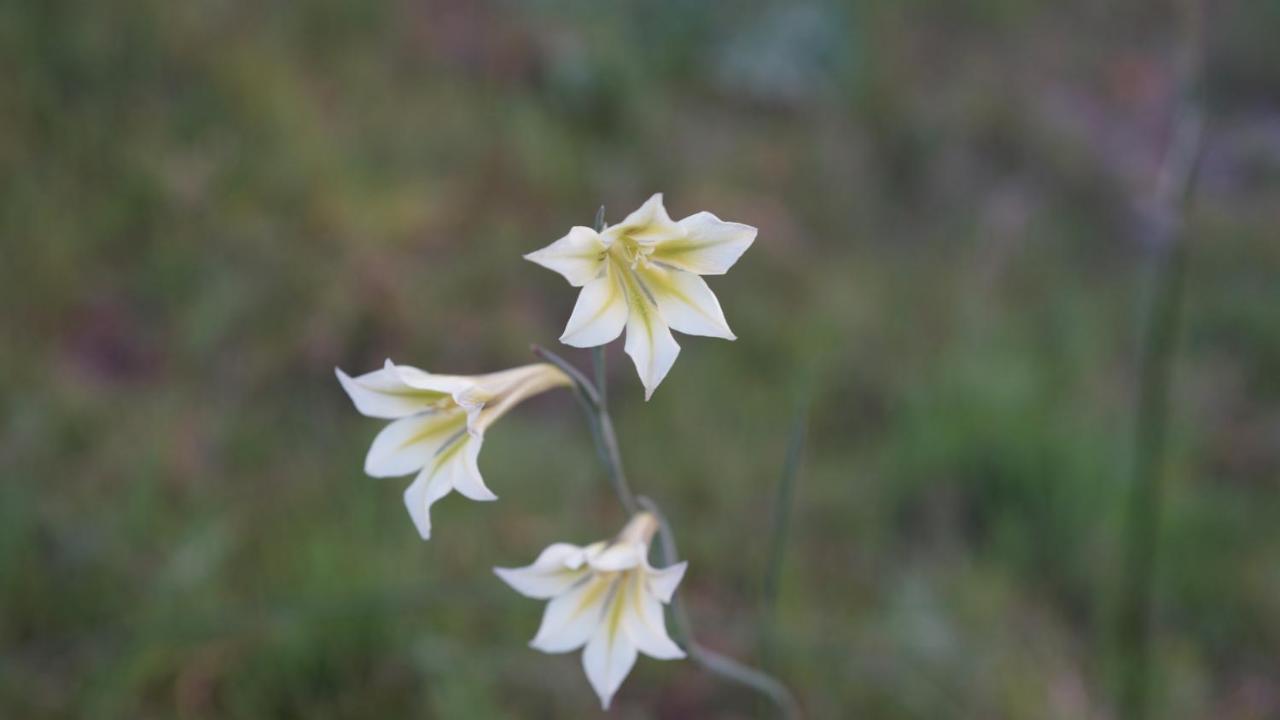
[
  {"x": 686, "y": 303},
  {"x": 610, "y": 655},
  {"x": 649, "y": 341},
  {"x": 707, "y": 245},
  {"x": 599, "y": 315},
  {"x": 578, "y": 256},
  {"x": 662, "y": 582},
  {"x": 423, "y": 380},
  {"x": 619, "y": 556},
  {"x": 541, "y": 582},
  {"x": 570, "y": 619},
  {"x": 408, "y": 444},
  {"x": 384, "y": 394},
  {"x": 421, "y": 495},
  {"x": 649, "y": 224},
  {"x": 559, "y": 556},
  {"x": 493, "y": 395},
  {"x": 460, "y": 461},
  {"x": 645, "y": 625}
]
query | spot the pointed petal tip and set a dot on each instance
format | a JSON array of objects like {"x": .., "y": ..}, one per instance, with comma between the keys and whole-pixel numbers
[
  {"x": 542, "y": 647},
  {"x": 568, "y": 339}
]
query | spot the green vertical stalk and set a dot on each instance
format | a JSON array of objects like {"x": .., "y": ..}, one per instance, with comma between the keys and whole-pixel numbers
[
  {"x": 1147, "y": 490},
  {"x": 781, "y": 525},
  {"x": 1167, "y": 268}
]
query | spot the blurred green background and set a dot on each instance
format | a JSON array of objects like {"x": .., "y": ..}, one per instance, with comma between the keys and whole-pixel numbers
[{"x": 207, "y": 206}]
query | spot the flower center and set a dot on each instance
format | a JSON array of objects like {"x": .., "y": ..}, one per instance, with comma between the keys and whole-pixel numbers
[{"x": 630, "y": 252}]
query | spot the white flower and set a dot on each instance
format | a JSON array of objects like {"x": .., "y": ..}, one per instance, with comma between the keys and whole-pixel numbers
[
  {"x": 605, "y": 596},
  {"x": 643, "y": 274},
  {"x": 439, "y": 425}
]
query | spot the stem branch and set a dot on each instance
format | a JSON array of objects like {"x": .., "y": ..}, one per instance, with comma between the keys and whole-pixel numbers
[{"x": 713, "y": 661}]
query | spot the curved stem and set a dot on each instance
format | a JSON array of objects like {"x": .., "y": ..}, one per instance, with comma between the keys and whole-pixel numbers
[
  {"x": 601, "y": 425},
  {"x": 597, "y": 362},
  {"x": 580, "y": 381},
  {"x": 713, "y": 661}
]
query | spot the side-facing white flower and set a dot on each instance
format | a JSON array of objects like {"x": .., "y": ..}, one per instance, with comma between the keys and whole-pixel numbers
[
  {"x": 643, "y": 274},
  {"x": 439, "y": 425},
  {"x": 605, "y": 596}
]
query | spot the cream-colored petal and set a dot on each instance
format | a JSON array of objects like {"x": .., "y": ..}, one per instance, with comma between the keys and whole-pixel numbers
[
  {"x": 578, "y": 256},
  {"x": 645, "y": 624},
  {"x": 589, "y": 553},
  {"x": 408, "y": 444},
  {"x": 706, "y": 245},
  {"x": 422, "y": 380},
  {"x": 421, "y": 495},
  {"x": 541, "y": 582},
  {"x": 649, "y": 341},
  {"x": 621, "y": 556},
  {"x": 571, "y": 618},
  {"x": 556, "y": 569},
  {"x": 599, "y": 315},
  {"x": 493, "y": 395},
  {"x": 560, "y": 555},
  {"x": 462, "y": 464},
  {"x": 383, "y": 394},
  {"x": 686, "y": 303},
  {"x": 647, "y": 225},
  {"x": 609, "y": 656},
  {"x": 662, "y": 582}
]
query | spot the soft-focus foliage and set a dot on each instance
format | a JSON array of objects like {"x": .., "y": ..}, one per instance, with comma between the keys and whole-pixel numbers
[{"x": 208, "y": 206}]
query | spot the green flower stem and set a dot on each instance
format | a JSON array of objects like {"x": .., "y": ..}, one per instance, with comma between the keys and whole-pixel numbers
[
  {"x": 591, "y": 397},
  {"x": 713, "y": 661},
  {"x": 601, "y": 425}
]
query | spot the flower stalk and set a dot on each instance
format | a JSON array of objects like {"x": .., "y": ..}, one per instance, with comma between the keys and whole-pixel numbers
[
  {"x": 592, "y": 400},
  {"x": 1164, "y": 235}
]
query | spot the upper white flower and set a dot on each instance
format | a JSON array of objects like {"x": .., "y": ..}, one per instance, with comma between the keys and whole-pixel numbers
[
  {"x": 605, "y": 596},
  {"x": 439, "y": 425},
  {"x": 643, "y": 274}
]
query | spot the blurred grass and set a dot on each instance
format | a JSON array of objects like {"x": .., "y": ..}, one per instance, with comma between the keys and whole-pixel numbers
[{"x": 207, "y": 207}]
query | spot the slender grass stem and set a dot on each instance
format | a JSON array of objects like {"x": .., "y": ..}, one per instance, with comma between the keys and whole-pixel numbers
[
  {"x": 1167, "y": 261},
  {"x": 781, "y": 525}
]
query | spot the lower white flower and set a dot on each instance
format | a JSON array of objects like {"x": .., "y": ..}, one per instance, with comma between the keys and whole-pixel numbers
[
  {"x": 605, "y": 596},
  {"x": 439, "y": 425}
]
